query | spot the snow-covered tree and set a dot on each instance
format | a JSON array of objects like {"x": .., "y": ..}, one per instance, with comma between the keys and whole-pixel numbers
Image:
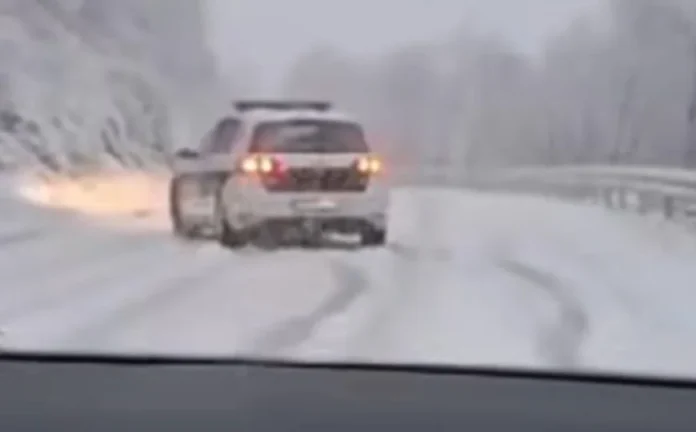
[
  {"x": 104, "y": 79},
  {"x": 612, "y": 88}
]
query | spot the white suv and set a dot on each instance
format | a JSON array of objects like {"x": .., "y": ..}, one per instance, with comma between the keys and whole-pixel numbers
[{"x": 273, "y": 171}]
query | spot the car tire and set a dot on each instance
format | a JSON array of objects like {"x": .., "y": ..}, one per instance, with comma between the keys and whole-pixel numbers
[
  {"x": 232, "y": 238},
  {"x": 266, "y": 236},
  {"x": 372, "y": 236},
  {"x": 311, "y": 240},
  {"x": 228, "y": 236},
  {"x": 179, "y": 226}
]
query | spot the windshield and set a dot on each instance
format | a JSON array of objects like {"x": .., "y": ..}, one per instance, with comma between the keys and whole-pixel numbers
[
  {"x": 308, "y": 136},
  {"x": 528, "y": 198}
]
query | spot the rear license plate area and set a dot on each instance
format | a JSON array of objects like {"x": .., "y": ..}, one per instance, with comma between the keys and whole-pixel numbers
[{"x": 314, "y": 205}]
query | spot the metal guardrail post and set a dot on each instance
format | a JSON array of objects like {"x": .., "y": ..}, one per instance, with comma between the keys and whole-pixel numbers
[
  {"x": 642, "y": 207},
  {"x": 607, "y": 198},
  {"x": 668, "y": 206},
  {"x": 621, "y": 192}
]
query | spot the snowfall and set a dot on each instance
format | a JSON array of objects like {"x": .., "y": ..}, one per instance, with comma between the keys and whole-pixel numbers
[{"x": 466, "y": 278}]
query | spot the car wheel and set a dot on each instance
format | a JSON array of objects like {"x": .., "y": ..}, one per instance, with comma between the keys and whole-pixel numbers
[
  {"x": 232, "y": 238},
  {"x": 372, "y": 236},
  {"x": 228, "y": 236},
  {"x": 179, "y": 226},
  {"x": 267, "y": 236}
]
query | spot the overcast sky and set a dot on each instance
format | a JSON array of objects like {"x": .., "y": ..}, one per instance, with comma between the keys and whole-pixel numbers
[{"x": 271, "y": 33}]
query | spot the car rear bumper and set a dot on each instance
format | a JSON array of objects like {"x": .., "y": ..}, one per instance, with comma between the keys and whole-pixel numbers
[
  {"x": 247, "y": 210},
  {"x": 315, "y": 224}
]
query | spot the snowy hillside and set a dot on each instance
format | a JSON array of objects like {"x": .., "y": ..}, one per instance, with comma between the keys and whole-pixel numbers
[{"x": 82, "y": 82}]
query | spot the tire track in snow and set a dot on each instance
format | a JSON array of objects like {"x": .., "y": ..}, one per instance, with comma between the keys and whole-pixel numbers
[
  {"x": 9, "y": 239},
  {"x": 106, "y": 294},
  {"x": 292, "y": 332},
  {"x": 414, "y": 253},
  {"x": 70, "y": 257},
  {"x": 405, "y": 278},
  {"x": 84, "y": 278},
  {"x": 154, "y": 293},
  {"x": 65, "y": 246},
  {"x": 560, "y": 344},
  {"x": 165, "y": 298}
]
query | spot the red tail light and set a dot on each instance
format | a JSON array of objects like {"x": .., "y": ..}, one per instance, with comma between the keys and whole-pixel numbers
[
  {"x": 261, "y": 164},
  {"x": 368, "y": 165}
]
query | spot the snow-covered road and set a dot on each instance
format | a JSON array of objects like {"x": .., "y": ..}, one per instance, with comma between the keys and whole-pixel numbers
[{"x": 466, "y": 279}]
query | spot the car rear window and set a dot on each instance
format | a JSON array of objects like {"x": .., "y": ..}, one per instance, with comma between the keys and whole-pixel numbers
[{"x": 308, "y": 136}]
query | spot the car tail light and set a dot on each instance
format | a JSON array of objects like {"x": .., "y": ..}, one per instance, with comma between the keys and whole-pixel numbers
[
  {"x": 368, "y": 165},
  {"x": 261, "y": 164}
]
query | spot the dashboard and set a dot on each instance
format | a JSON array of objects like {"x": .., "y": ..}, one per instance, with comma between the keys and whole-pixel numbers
[{"x": 75, "y": 393}]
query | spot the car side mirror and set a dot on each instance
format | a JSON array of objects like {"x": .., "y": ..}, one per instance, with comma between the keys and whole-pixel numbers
[{"x": 186, "y": 153}]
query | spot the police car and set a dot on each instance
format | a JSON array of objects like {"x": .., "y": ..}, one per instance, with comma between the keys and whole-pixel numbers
[{"x": 271, "y": 171}]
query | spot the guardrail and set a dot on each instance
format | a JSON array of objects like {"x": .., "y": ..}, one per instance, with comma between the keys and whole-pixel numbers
[
  {"x": 645, "y": 189},
  {"x": 668, "y": 191}
]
